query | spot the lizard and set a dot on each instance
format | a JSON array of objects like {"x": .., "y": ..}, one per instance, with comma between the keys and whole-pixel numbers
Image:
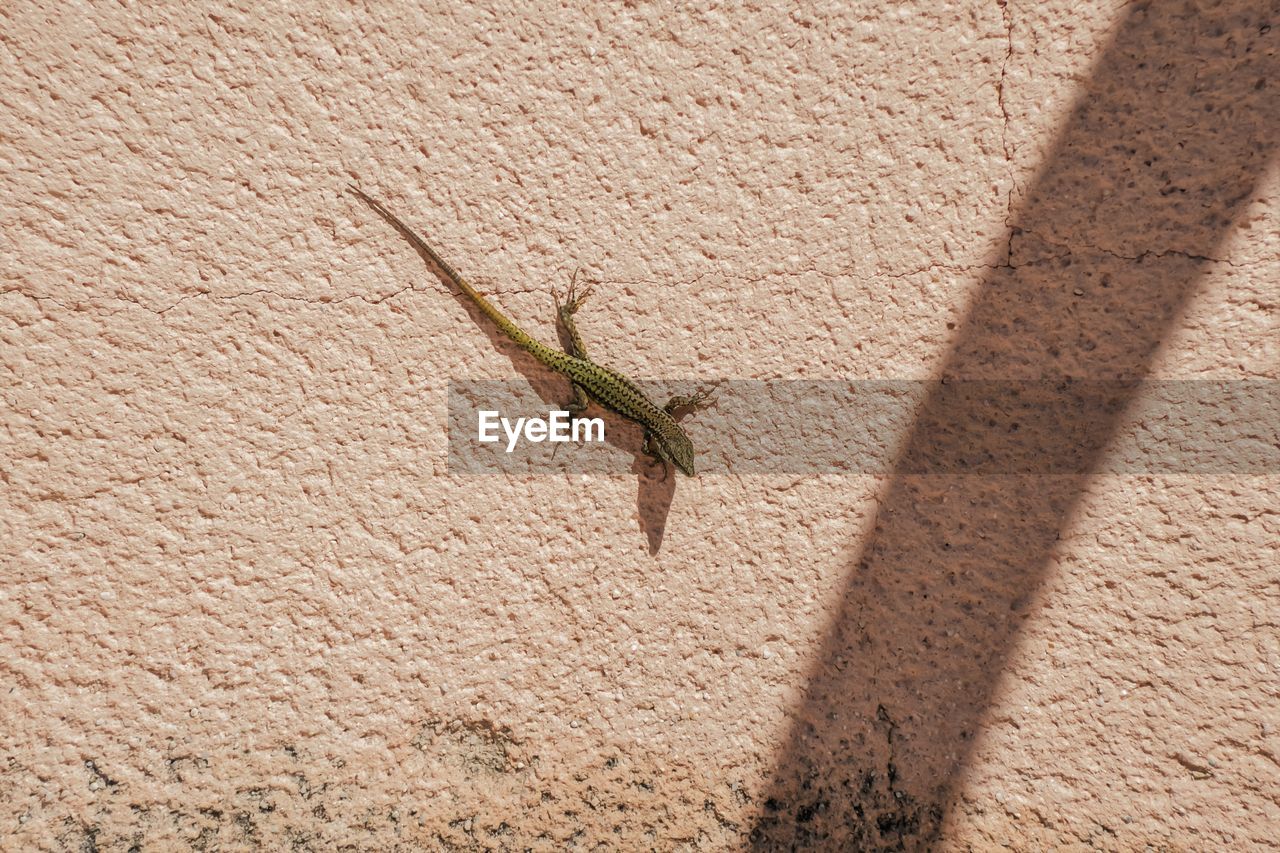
[{"x": 664, "y": 439}]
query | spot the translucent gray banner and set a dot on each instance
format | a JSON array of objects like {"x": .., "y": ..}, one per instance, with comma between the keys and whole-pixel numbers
[{"x": 986, "y": 427}]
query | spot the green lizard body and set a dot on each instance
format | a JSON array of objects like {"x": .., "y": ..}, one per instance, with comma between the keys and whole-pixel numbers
[{"x": 665, "y": 439}]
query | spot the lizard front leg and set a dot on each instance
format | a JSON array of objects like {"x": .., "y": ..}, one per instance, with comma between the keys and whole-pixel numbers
[{"x": 701, "y": 399}]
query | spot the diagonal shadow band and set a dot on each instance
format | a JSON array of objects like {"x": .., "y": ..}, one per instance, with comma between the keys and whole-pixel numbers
[{"x": 1172, "y": 134}]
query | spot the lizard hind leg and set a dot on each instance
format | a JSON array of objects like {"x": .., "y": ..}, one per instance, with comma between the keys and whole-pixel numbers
[
  {"x": 571, "y": 339},
  {"x": 573, "y": 299}
]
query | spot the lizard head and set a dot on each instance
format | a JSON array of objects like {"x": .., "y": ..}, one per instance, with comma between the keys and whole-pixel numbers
[{"x": 680, "y": 449}]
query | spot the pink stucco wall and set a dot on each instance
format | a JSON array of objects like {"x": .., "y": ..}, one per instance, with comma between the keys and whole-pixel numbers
[{"x": 245, "y": 603}]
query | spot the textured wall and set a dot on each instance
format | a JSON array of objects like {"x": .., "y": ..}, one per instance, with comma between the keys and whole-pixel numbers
[{"x": 246, "y": 604}]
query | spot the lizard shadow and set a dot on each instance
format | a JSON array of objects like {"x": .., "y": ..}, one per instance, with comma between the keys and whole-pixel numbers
[
  {"x": 655, "y": 487},
  {"x": 555, "y": 391},
  {"x": 654, "y": 492},
  {"x": 655, "y": 481}
]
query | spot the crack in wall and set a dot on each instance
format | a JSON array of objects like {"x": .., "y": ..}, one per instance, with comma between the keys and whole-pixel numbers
[{"x": 1004, "y": 72}]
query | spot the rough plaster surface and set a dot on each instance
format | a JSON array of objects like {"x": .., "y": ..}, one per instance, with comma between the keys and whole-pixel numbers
[{"x": 246, "y": 605}]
